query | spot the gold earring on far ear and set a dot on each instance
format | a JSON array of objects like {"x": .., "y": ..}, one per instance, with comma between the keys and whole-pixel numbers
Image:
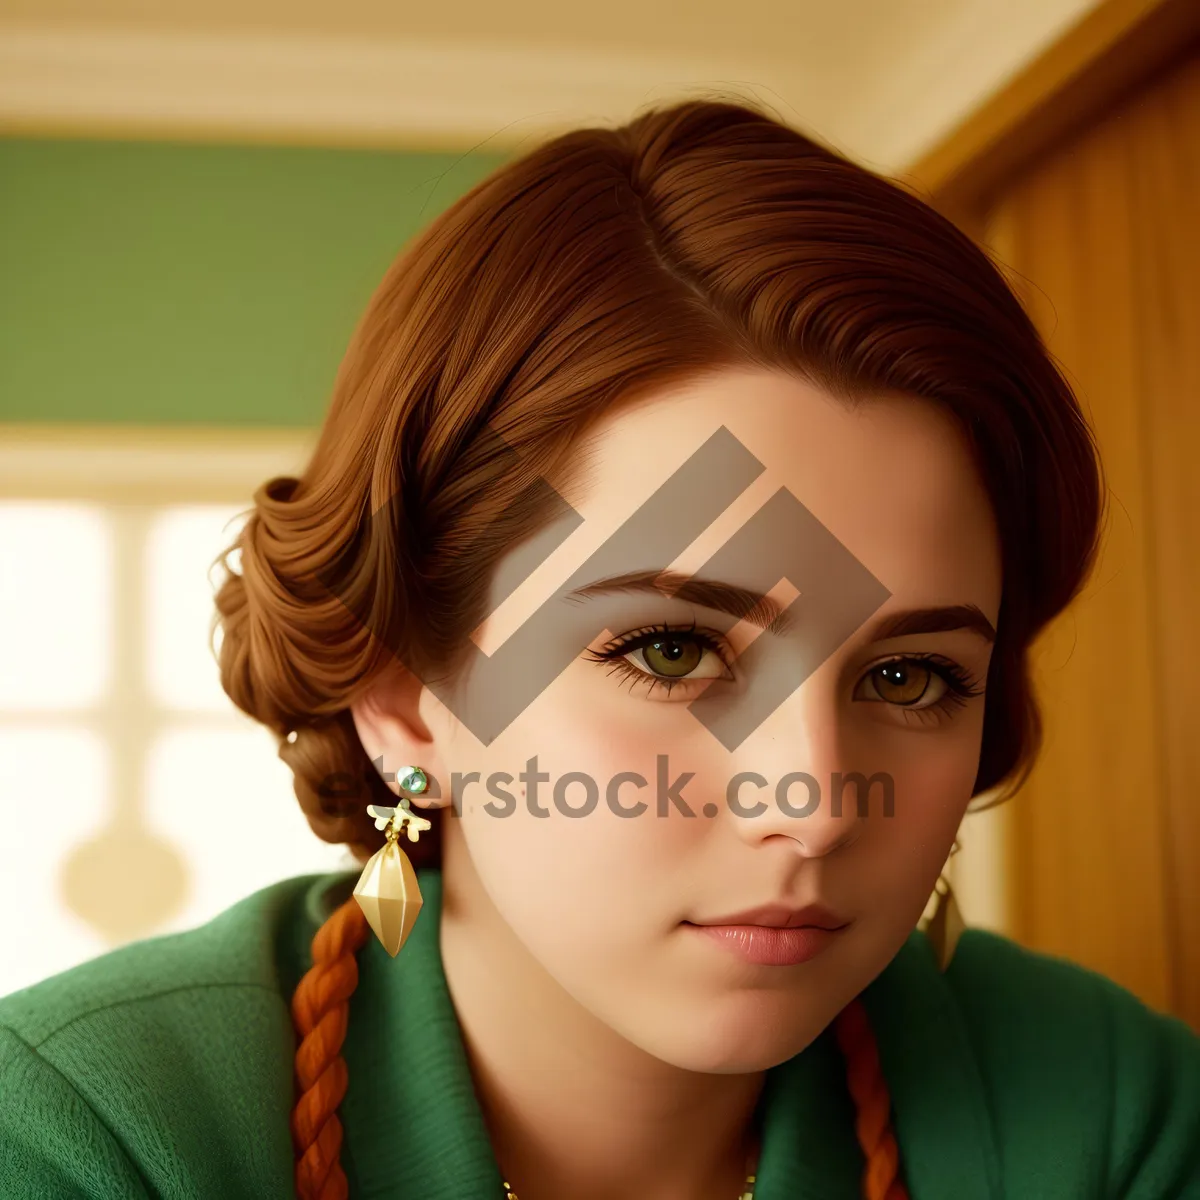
[
  {"x": 944, "y": 926},
  {"x": 387, "y": 890}
]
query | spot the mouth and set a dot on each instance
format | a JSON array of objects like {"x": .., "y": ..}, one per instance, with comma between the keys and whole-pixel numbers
[
  {"x": 770, "y": 945},
  {"x": 774, "y": 935}
]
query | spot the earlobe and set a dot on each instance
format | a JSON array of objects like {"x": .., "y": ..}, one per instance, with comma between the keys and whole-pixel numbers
[{"x": 395, "y": 739}]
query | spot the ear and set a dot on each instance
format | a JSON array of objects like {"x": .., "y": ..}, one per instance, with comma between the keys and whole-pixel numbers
[{"x": 394, "y": 735}]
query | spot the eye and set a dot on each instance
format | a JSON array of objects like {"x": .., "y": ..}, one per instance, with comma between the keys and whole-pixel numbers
[
  {"x": 919, "y": 683},
  {"x": 664, "y": 657}
]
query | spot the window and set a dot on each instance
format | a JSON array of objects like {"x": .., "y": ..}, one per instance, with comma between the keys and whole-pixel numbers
[{"x": 135, "y": 798}]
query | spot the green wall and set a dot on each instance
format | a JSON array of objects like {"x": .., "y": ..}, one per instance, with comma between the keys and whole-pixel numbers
[{"x": 156, "y": 283}]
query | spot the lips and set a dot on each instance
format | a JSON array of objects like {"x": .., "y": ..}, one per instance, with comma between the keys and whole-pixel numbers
[
  {"x": 773, "y": 935},
  {"x": 769, "y": 945}
]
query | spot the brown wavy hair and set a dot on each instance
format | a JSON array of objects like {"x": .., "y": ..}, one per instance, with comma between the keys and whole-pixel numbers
[{"x": 599, "y": 265}]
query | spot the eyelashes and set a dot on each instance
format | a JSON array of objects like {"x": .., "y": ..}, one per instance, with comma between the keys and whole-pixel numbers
[
  {"x": 667, "y": 657},
  {"x": 666, "y": 643},
  {"x": 957, "y": 685}
]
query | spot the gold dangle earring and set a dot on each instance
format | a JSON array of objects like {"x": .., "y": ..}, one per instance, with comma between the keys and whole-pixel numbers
[
  {"x": 387, "y": 890},
  {"x": 944, "y": 926}
]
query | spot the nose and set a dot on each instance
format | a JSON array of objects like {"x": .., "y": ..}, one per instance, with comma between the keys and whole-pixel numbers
[{"x": 791, "y": 782}]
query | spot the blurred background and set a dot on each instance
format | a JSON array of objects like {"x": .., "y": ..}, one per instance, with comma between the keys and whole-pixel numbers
[{"x": 196, "y": 202}]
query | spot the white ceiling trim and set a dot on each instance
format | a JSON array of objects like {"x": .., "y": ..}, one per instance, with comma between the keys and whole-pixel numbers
[
  {"x": 132, "y": 462},
  {"x": 303, "y": 87},
  {"x": 884, "y": 109}
]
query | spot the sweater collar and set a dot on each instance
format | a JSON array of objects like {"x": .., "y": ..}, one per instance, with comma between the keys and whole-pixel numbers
[{"x": 412, "y": 1124}]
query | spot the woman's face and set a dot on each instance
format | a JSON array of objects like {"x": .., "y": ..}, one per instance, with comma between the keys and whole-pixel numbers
[{"x": 613, "y": 905}]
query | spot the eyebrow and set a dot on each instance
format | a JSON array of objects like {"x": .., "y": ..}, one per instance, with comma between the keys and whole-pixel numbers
[
  {"x": 764, "y": 612},
  {"x": 935, "y": 620},
  {"x": 739, "y": 602}
]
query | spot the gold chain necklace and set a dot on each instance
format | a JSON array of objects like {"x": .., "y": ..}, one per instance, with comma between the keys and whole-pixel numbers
[{"x": 746, "y": 1194}]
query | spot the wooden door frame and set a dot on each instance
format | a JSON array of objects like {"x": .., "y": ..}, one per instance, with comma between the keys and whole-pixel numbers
[{"x": 1107, "y": 55}]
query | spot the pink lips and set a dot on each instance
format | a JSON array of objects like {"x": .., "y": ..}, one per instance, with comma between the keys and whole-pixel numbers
[{"x": 774, "y": 935}]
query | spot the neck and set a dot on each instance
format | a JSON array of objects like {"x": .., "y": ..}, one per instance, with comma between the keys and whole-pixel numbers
[{"x": 572, "y": 1108}]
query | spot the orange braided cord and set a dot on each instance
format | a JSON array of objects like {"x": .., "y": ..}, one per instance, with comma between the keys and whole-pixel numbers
[
  {"x": 881, "y": 1176},
  {"x": 320, "y": 1013}
]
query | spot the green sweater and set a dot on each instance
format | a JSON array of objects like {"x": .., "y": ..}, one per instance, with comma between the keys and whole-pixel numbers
[{"x": 164, "y": 1069}]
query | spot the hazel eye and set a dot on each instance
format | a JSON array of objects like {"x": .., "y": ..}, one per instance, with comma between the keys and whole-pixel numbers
[
  {"x": 663, "y": 658},
  {"x": 908, "y": 683},
  {"x": 676, "y": 658},
  {"x": 920, "y": 687}
]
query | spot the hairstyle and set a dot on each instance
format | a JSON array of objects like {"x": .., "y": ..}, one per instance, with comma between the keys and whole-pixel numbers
[{"x": 601, "y": 265}]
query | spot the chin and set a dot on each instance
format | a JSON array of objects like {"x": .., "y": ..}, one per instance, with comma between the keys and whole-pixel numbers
[{"x": 735, "y": 1036}]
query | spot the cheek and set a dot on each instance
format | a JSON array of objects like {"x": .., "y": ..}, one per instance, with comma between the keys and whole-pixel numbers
[
  {"x": 609, "y": 880},
  {"x": 934, "y": 780},
  {"x": 937, "y": 785}
]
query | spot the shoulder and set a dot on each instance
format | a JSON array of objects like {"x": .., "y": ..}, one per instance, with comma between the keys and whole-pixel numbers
[
  {"x": 1081, "y": 1075},
  {"x": 163, "y": 1066},
  {"x": 235, "y": 949}
]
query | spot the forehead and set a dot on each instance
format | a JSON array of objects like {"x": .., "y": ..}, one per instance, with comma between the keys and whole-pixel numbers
[{"x": 891, "y": 478}]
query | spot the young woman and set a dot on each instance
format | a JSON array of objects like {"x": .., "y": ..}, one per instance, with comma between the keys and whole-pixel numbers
[{"x": 688, "y": 502}]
